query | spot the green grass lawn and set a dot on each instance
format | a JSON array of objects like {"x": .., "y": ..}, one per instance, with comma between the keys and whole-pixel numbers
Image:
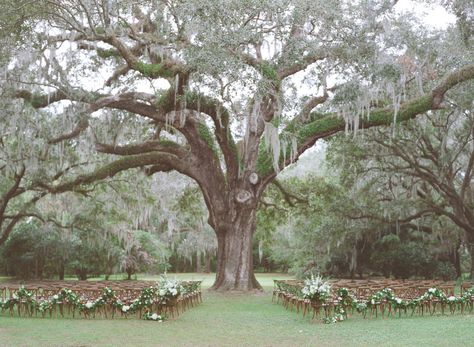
[{"x": 238, "y": 320}]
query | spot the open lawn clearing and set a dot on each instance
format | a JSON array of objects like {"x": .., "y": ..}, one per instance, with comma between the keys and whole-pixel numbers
[{"x": 238, "y": 320}]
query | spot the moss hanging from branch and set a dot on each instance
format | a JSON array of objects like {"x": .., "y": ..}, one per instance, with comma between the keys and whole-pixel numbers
[{"x": 307, "y": 134}]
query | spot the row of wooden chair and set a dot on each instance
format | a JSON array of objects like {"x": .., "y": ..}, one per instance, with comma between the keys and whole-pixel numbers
[
  {"x": 90, "y": 289},
  {"x": 289, "y": 294},
  {"x": 41, "y": 292}
]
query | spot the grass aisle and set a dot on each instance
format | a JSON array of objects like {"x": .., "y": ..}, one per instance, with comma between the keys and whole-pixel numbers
[{"x": 239, "y": 320}]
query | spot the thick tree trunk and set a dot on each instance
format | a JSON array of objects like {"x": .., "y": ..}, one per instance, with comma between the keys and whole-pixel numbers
[{"x": 234, "y": 253}]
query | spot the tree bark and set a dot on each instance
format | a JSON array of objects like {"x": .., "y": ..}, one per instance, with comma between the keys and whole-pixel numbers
[
  {"x": 61, "y": 271},
  {"x": 234, "y": 253},
  {"x": 456, "y": 259},
  {"x": 208, "y": 263},
  {"x": 198, "y": 262},
  {"x": 471, "y": 251}
]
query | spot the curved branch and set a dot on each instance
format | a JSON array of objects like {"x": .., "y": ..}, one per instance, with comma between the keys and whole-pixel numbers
[
  {"x": 146, "y": 147},
  {"x": 111, "y": 169},
  {"x": 220, "y": 117},
  {"x": 308, "y": 134},
  {"x": 288, "y": 70}
]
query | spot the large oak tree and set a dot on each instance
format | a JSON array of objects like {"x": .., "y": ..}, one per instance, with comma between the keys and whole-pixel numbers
[{"x": 225, "y": 92}]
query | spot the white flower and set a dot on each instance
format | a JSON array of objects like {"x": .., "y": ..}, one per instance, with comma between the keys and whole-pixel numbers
[
  {"x": 399, "y": 301},
  {"x": 89, "y": 304},
  {"x": 125, "y": 308},
  {"x": 55, "y": 297},
  {"x": 451, "y": 298},
  {"x": 432, "y": 290},
  {"x": 154, "y": 316},
  {"x": 372, "y": 302}
]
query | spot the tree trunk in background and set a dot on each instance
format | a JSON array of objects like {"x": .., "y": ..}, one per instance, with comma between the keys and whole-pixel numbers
[
  {"x": 61, "y": 271},
  {"x": 456, "y": 259},
  {"x": 234, "y": 252},
  {"x": 81, "y": 274},
  {"x": 471, "y": 251},
  {"x": 198, "y": 262},
  {"x": 208, "y": 263}
]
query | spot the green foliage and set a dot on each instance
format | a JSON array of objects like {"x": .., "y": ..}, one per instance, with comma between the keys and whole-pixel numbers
[
  {"x": 402, "y": 259},
  {"x": 445, "y": 271},
  {"x": 107, "y": 53},
  {"x": 154, "y": 70},
  {"x": 206, "y": 134}
]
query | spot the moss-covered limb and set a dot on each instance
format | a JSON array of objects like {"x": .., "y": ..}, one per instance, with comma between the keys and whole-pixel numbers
[
  {"x": 220, "y": 116},
  {"x": 110, "y": 170},
  {"x": 206, "y": 135},
  {"x": 40, "y": 100},
  {"x": 44, "y": 100},
  {"x": 101, "y": 52},
  {"x": 164, "y": 69},
  {"x": 145, "y": 147},
  {"x": 107, "y": 53},
  {"x": 285, "y": 70},
  {"x": 321, "y": 127},
  {"x": 451, "y": 80}
]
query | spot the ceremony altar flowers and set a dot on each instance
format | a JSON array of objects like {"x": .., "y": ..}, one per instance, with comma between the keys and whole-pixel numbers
[
  {"x": 169, "y": 290},
  {"x": 316, "y": 289}
]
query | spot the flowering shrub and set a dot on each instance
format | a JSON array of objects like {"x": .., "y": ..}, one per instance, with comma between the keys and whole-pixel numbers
[{"x": 316, "y": 289}]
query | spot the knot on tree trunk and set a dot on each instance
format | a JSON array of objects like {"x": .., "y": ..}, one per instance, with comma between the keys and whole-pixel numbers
[{"x": 243, "y": 196}]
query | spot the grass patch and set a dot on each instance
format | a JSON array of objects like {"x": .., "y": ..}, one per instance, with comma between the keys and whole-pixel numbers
[{"x": 238, "y": 320}]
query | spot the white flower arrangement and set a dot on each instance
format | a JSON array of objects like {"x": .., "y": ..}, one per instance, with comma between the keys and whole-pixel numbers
[
  {"x": 169, "y": 288},
  {"x": 315, "y": 288},
  {"x": 154, "y": 317},
  {"x": 125, "y": 308},
  {"x": 89, "y": 305}
]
